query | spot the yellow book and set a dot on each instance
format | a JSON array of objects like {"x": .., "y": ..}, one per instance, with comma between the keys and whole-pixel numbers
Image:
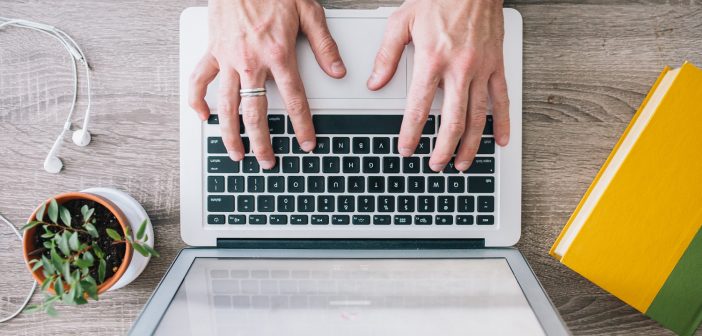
[{"x": 636, "y": 232}]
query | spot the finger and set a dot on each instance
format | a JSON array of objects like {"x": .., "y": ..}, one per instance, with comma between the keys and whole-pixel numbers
[
  {"x": 205, "y": 71},
  {"x": 500, "y": 106},
  {"x": 289, "y": 83},
  {"x": 314, "y": 24},
  {"x": 421, "y": 95},
  {"x": 453, "y": 122},
  {"x": 255, "y": 115},
  {"x": 477, "y": 110},
  {"x": 396, "y": 37},
  {"x": 228, "y": 112}
]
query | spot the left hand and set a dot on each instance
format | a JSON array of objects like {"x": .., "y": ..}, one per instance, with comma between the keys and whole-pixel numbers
[{"x": 458, "y": 46}]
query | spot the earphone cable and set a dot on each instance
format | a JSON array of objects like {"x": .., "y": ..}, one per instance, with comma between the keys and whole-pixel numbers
[{"x": 34, "y": 283}]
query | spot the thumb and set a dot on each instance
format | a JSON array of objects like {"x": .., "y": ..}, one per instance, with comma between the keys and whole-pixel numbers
[
  {"x": 313, "y": 24},
  {"x": 396, "y": 37}
]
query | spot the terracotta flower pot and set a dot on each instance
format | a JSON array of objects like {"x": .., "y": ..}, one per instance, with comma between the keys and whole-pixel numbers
[{"x": 128, "y": 213}]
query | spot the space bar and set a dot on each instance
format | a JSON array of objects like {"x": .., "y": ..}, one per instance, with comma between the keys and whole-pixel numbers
[{"x": 362, "y": 124}]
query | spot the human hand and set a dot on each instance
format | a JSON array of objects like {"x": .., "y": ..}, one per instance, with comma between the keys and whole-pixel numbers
[
  {"x": 249, "y": 42},
  {"x": 458, "y": 46}
]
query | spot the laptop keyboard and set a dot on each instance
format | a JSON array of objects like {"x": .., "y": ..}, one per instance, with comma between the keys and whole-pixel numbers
[{"x": 354, "y": 176}]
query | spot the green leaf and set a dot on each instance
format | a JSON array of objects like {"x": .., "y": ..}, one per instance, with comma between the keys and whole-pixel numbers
[
  {"x": 88, "y": 215},
  {"x": 58, "y": 286},
  {"x": 45, "y": 285},
  {"x": 73, "y": 242},
  {"x": 48, "y": 235},
  {"x": 90, "y": 288},
  {"x": 30, "y": 225},
  {"x": 141, "y": 250},
  {"x": 87, "y": 256},
  {"x": 80, "y": 263},
  {"x": 63, "y": 244},
  {"x": 48, "y": 267},
  {"x": 41, "y": 211},
  {"x": 84, "y": 210},
  {"x": 66, "y": 271},
  {"x": 113, "y": 234},
  {"x": 151, "y": 250},
  {"x": 65, "y": 215},
  {"x": 32, "y": 308},
  {"x": 53, "y": 211},
  {"x": 56, "y": 260},
  {"x": 102, "y": 267},
  {"x": 50, "y": 310},
  {"x": 142, "y": 230},
  {"x": 92, "y": 231},
  {"x": 36, "y": 265},
  {"x": 98, "y": 251}
]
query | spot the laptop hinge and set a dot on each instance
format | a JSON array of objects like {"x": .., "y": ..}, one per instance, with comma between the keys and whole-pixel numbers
[{"x": 350, "y": 244}]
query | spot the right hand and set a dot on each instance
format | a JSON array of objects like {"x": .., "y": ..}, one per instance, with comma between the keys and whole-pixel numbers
[{"x": 249, "y": 42}]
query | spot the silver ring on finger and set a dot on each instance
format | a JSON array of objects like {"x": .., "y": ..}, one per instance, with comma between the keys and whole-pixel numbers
[{"x": 253, "y": 92}]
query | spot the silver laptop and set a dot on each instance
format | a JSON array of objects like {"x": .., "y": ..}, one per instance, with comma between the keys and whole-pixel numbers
[{"x": 351, "y": 238}]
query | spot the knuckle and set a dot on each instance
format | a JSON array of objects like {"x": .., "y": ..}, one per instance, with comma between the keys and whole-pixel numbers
[
  {"x": 415, "y": 115},
  {"x": 455, "y": 128},
  {"x": 327, "y": 45},
  {"x": 297, "y": 107},
  {"x": 278, "y": 52},
  {"x": 251, "y": 116},
  {"x": 225, "y": 107}
]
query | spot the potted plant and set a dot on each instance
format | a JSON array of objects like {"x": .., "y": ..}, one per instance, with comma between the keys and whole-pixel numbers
[{"x": 80, "y": 244}]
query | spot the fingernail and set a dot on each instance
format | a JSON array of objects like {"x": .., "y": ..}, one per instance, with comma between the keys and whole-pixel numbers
[
  {"x": 436, "y": 167},
  {"x": 462, "y": 166},
  {"x": 504, "y": 139},
  {"x": 203, "y": 117},
  {"x": 266, "y": 164},
  {"x": 307, "y": 146},
  {"x": 338, "y": 67},
  {"x": 404, "y": 151},
  {"x": 234, "y": 155},
  {"x": 374, "y": 78}
]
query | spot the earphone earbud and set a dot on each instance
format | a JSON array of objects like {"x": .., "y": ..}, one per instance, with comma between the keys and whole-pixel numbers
[
  {"x": 81, "y": 137},
  {"x": 52, "y": 164}
]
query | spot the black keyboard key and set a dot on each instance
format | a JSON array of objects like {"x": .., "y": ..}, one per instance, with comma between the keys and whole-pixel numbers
[
  {"x": 299, "y": 220},
  {"x": 486, "y": 220},
  {"x": 291, "y": 164},
  {"x": 257, "y": 219},
  {"x": 366, "y": 204},
  {"x": 443, "y": 219},
  {"x": 395, "y": 150},
  {"x": 265, "y": 203},
  {"x": 487, "y": 146},
  {"x": 356, "y": 184},
  {"x": 281, "y": 145},
  {"x": 274, "y": 169},
  {"x": 425, "y": 166},
  {"x": 276, "y": 184},
  {"x": 425, "y": 204},
  {"x": 245, "y": 203},
  {"x": 488, "y": 125},
  {"x": 391, "y": 165},
  {"x": 341, "y": 219},
  {"x": 402, "y": 220},
  {"x": 276, "y": 124},
  {"x": 256, "y": 184},
  {"x": 386, "y": 203},
  {"x": 279, "y": 219},
  {"x": 422, "y": 219},
  {"x": 213, "y": 119},
  {"x": 235, "y": 184},
  {"x": 464, "y": 220},
  {"x": 286, "y": 203},
  {"x": 296, "y": 184},
  {"x": 215, "y": 184},
  {"x": 331, "y": 164},
  {"x": 446, "y": 204},
  {"x": 340, "y": 145},
  {"x": 410, "y": 165},
  {"x": 247, "y": 144},
  {"x": 456, "y": 184},
  {"x": 296, "y": 149},
  {"x": 486, "y": 204},
  {"x": 360, "y": 219},
  {"x": 480, "y": 184},
  {"x": 325, "y": 203},
  {"x": 415, "y": 184},
  {"x": 376, "y": 184},
  {"x": 423, "y": 147},
  {"x": 359, "y": 124},
  {"x": 222, "y": 165},
  {"x": 466, "y": 203},
  {"x": 436, "y": 184},
  {"x": 482, "y": 165},
  {"x": 381, "y": 145},
  {"x": 345, "y": 204},
  {"x": 371, "y": 165},
  {"x": 396, "y": 184},
  {"x": 361, "y": 145},
  {"x": 237, "y": 219},
  {"x": 305, "y": 203},
  {"x": 335, "y": 184},
  {"x": 323, "y": 144},
  {"x": 220, "y": 203},
  {"x": 315, "y": 184},
  {"x": 320, "y": 219},
  {"x": 215, "y": 146},
  {"x": 405, "y": 203},
  {"x": 250, "y": 165},
  {"x": 381, "y": 219},
  {"x": 450, "y": 168},
  {"x": 352, "y": 164},
  {"x": 215, "y": 219},
  {"x": 310, "y": 164}
]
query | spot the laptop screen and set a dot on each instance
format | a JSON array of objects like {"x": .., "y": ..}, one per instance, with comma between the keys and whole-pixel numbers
[{"x": 349, "y": 297}]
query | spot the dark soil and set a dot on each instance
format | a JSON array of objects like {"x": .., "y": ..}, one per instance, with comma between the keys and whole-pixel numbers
[{"x": 114, "y": 253}]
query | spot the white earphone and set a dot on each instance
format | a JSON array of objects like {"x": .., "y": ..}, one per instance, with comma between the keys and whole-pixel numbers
[{"x": 81, "y": 136}]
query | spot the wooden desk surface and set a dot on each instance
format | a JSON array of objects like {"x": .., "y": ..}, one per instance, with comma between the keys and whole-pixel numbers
[{"x": 587, "y": 66}]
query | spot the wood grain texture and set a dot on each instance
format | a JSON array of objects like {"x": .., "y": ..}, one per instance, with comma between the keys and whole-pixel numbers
[{"x": 587, "y": 66}]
